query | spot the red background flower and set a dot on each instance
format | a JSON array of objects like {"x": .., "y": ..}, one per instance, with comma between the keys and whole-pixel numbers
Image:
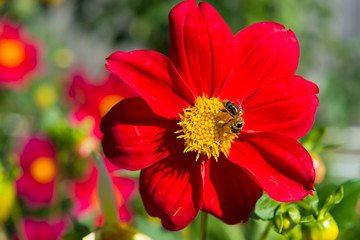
[
  {"x": 39, "y": 229},
  {"x": 37, "y": 182},
  {"x": 18, "y": 55},
  {"x": 94, "y": 100}
]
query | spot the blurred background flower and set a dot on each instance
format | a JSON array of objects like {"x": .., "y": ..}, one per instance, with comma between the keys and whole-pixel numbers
[
  {"x": 43, "y": 229},
  {"x": 18, "y": 55},
  {"x": 39, "y": 172},
  {"x": 91, "y": 100}
]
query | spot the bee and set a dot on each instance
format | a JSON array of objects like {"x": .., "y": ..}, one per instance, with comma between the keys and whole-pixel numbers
[{"x": 236, "y": 123}]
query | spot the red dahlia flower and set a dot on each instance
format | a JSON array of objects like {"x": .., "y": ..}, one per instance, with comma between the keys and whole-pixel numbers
[
  {"x": 18, "y": 55},
  {"x": 194, "y": 154},
  {"x": 39, "y": 172}
]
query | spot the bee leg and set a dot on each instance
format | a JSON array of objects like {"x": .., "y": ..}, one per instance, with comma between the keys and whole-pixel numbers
[{"x": 226, "y": 123}]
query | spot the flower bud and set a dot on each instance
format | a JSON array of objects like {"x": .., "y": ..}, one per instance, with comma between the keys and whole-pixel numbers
[
  {"x": 323, "y": 229},
  {"x": 286, "y": 220},
  {"x": 319, "y": 166}
]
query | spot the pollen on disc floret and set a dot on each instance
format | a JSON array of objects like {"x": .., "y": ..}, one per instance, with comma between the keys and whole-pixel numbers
[{"x": 204, "y": 128}]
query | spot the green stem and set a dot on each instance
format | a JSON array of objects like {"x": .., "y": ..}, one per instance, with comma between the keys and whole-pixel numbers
[
  {"x": 185, "y": 233},
  {"x": 106, "y": 194},
  {"x": 203, "y": 224},
  {"x": 266, "y": 231}
]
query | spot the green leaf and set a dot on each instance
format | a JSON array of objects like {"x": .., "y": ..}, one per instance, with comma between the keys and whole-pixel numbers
[
  {"x": 345, "y": 212},
  {"x": 265, "y": 207},
  {"x": 333, "y": 199},
  {"x": 307, "y": 219},
  {"x": 339, "y": 195}
]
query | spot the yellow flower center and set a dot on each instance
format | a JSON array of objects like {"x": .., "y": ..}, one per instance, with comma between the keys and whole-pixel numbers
[
  {"x": 206, "y": 128},
  {"x": 12, "y": 53},
  {"x": 107, "y": 103},
  {"x": 43, "y": 169}
]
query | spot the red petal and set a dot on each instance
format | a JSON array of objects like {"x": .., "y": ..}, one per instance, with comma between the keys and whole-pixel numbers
[
  {"x": 172, "y": 190},
  {"x": 265, "y": 51},
  {"x": 222, "y": 44},
  {"x": 153, "y": 76},
  {"x": 229, "y": 192},
  {"x": 279, "y": 164},
  {"x": 35, "y": 194},
  {"x": 286, "y": 105},
  {"x": 201, "y": 46},
  {"x": 135, "y": 137}
]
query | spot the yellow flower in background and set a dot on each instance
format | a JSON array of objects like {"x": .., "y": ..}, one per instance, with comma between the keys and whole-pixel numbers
[
  {"x": 7, "y": 197},
  {"x": 45, "y": 96}
]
